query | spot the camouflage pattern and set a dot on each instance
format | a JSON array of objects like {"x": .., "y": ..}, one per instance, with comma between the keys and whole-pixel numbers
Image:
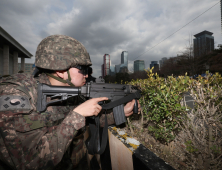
[
  {"x": 79, "y": 151},
  {"x": 32, "y": 140},
  {"x": 110, "y": 118},
  {"x": 60, "y": 52}
]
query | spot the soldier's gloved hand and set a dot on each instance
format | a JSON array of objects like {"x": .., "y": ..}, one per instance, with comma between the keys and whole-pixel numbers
[
  {"x": 128, "y": 108},
  {"x": 90, "y": 107}
]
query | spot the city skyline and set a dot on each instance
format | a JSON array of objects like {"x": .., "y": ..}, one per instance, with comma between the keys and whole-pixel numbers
[
  {"x": 108, "y": 69},
  {"x": 138, "y": 29}
]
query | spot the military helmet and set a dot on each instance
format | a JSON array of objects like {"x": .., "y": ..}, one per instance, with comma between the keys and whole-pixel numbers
[{"x": 60, "y": 52}]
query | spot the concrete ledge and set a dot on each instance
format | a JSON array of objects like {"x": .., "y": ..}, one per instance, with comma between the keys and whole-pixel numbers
[{"x": 128, "y": 153}]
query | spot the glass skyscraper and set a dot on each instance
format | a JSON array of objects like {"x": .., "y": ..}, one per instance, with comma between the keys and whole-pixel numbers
[
  {"x": 124, "y": 61},
  {"x": 139, "y": 65}
]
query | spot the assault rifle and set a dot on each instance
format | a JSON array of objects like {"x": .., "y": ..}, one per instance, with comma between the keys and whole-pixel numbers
[{"x": 118, "y": 94}]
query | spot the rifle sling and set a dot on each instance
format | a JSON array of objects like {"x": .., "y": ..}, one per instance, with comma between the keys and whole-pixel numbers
[{"x": 92, "y": 141}]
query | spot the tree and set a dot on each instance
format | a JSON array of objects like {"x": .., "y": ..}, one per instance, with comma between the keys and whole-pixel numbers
[
  {"x": 187, "y": 62},
  {"x": 122, "y": 77},
  {"x": 138, "y": 75},
  {"x": 110, "y": 79},
  {"x": 170, "y": 67},
  {"x": 215, "y": 60}
]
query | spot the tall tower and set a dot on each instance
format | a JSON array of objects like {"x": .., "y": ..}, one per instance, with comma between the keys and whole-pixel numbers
[
  {"x": 106, "y": 62},
  {"x": 155, "y": 65},
  {"x": 112, "y": 69},
  {"x": 124, "y": 61},
  {"x": 162, "y": 61},
  {"x": 124, "y": 58},
  {"x": 203, "y": 43}
]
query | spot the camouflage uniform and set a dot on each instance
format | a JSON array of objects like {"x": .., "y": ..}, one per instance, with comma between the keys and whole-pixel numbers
[{"x": 33, "y": 140}]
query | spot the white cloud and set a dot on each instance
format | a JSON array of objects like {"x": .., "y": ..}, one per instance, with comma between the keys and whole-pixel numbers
[{"x": 112, "y": 26}]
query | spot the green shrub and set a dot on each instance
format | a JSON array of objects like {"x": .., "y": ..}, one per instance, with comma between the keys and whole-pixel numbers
[
  {"x": 166, "y": 114},
  {"x": 161, "y": 103}
]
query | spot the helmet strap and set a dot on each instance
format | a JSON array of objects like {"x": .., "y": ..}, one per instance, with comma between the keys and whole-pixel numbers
[{"x": 68, "y": 81}]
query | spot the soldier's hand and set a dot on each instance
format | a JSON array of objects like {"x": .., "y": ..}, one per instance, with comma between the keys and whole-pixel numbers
[
  {"x": 128, "y": 108},
  {"x": 90, "y": 107}
]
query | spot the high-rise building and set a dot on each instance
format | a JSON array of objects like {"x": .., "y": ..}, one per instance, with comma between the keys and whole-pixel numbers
[
  {"x": 112, "y": 70},
  {"x": 162, "y": 61},
  {"x": 155, "y": 65},
  {"x": 124, "y": 62},
  {"x": 102, "y": 70},
  {"x": 117, "y": 68},
  {"x": 139, "y": 65},
  {"x": 106, "y": 65},
  {"x": 124, "y": 58},
  {"x": 203, "y": 43},
  {"x": 123, "y": 69}
]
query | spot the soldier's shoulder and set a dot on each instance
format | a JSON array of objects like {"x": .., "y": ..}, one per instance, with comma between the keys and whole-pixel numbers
[
  {"x": 18, "y": 89},
  {"x": 22, "y": 78},
  {"x": 11, "y": 83}
]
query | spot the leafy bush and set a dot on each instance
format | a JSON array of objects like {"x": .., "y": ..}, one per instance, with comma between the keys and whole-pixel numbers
[
  {"x": 161, "y": 103},
  {"x": 200, "y": 129}
]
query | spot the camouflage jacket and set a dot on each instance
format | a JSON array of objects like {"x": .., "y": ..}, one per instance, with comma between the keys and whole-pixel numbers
[{"x": 32, "y": 140}]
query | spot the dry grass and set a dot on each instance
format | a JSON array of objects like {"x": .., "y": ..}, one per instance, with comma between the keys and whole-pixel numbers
[{"x": 199, "y": 144}]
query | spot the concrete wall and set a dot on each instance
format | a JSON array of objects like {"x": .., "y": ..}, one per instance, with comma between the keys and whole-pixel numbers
[
  {"x": 12, "y": 63},
  {"x": 5, "y": 59},
  {"x": 1, "y": 61}
]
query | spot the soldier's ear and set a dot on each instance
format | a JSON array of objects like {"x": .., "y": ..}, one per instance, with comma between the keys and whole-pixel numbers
[{"x": 60, "y": 74}]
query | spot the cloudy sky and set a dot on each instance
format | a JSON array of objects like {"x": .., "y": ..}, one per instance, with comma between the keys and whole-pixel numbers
[{"x": 112, "y": 26}]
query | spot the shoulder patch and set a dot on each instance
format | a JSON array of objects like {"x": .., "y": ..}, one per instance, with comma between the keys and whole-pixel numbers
[{"x": 11, "y": 102}]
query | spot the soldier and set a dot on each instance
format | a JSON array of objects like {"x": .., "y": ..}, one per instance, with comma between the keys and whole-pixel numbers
[{"x": 33, "y": 140}]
